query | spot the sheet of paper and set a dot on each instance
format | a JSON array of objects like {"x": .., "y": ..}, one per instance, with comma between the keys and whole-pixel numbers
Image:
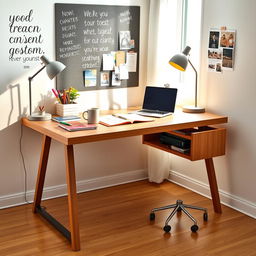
[
  {"x": 120, "y": 58},
  {"x": 117, "y": 71},
  {"x": 108, "y": 62},
  {"x": 124, "y": 74},
  {"x": 131, "y": 61}
]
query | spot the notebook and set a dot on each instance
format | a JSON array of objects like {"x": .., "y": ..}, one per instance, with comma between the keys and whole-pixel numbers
[{"x": 158, "y": 101}]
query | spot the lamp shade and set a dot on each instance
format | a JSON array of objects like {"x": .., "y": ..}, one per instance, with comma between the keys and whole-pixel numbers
[
  {"x": 53, "y": 68},
  {"x": 180, "y": 60}
]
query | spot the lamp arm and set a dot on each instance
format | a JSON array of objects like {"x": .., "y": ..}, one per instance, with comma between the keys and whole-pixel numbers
[
  {"x": 195, "y": 82},
  {"x": 29, "y": 81}
]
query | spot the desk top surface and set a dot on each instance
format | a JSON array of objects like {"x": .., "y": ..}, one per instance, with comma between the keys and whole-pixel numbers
[{"x": 179, "y": 120}]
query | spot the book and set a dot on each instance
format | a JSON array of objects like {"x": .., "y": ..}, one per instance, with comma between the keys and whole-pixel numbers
[
  {"x": 65, "y": 118},
  {"x": 182, "y": 150},
  {"x": 119, "y": 119},
  {"x": 77, "y": 126},
  {"x": 170, "y": 139}
]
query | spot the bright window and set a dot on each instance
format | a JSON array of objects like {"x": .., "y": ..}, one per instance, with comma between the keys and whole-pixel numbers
[{"x": 173, "y": 24}]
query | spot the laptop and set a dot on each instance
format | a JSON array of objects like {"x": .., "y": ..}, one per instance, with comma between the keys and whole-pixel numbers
[{"x": 158, "y": 101}]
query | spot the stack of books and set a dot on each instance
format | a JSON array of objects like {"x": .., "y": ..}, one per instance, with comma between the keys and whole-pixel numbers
[
  {"x": 176, "y": 143},
  {"x": 73, "y": 123}
]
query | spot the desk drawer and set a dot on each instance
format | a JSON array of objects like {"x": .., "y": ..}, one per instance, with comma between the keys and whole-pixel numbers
[{"x": 206, "y": 142}]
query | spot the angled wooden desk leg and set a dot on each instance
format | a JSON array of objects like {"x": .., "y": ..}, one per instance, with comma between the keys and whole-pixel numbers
[
  {"x": 213, "y": 185},
  {"x": 72, "y": 198},
  {"x": 46, "y": 143}
]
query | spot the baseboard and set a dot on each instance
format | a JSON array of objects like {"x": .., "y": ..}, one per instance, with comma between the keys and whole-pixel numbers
[
  {"x": 82, "y": 186},
  {"x": 235, "y": 202}
]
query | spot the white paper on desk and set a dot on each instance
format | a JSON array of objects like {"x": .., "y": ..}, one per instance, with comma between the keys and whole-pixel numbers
[
  {"x": 108, "y": 62},
  {"x": 131, "y": 61},
  {"x": 124, "y": 74}
]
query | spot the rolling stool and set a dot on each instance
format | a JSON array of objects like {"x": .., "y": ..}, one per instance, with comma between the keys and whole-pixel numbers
[{"x": 178, "y": 207}]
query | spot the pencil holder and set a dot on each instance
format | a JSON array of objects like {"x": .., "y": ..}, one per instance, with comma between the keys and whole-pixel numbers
[{"x": 68, "y": 109}]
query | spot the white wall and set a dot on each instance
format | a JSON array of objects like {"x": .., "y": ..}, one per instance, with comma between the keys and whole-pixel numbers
[
  {"x": 92, "y": 160},
  {"x": 232, "y": 94}
]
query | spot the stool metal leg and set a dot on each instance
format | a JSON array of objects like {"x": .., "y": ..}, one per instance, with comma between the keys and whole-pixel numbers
[
  {"x": 164, "y": 208},
  {"x": 172, "y": 214},
  {"x": 189, "y": 215},
  {"x": 195, "y": 207}
]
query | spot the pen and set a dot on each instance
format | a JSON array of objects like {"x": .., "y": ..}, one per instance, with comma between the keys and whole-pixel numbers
[
  {"x": 65, "y": 123},
  {"x": 121, "y": 117}
]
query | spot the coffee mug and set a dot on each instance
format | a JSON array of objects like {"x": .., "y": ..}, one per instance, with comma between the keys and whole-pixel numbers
[{"x": 92, "y": 115}]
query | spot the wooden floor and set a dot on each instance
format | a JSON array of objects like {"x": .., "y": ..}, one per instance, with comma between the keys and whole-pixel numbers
[{"x": 115, "y": 221}]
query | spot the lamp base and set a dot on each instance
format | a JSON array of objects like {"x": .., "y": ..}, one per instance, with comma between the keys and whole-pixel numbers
[
  {"x": 40, "y": 116},
  {"x": 193, "y": 109}
]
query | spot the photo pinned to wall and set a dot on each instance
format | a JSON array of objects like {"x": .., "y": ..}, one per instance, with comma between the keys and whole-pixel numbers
[
  {"x": 104, "y": 78},
  {"x": 214, "y": 58},
  {"x": 211, "y": 67},
  {"x": 227, "y": 62},
  {"x": 218, "y": 67},
  {"x": 227, "y": 39},
  {"x": 90, "y": 77},
  {"x": 124, "y": 40},
  {"x": 132, "y": 44},
  {"x": 214, "y": 37},
  {"x": 115, "y": 79},
  {"x": 221, "y": 50}
]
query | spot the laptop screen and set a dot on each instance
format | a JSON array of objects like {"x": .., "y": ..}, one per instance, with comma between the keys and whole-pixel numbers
[{"x": 160, "y": 98}]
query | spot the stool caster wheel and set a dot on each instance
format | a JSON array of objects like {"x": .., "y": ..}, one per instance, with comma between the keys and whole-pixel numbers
[
  {"x": 194, "y": 228},
  {"x": 152, "y": 216},
  {"x": 167, "y": 228},
  {"x": 205, "y": 216}
]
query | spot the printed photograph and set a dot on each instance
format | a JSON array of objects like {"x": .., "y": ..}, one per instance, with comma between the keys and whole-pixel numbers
[
  {"x": 227, "y": 61},
  {"x": 124, "y": 40},
  {"x": 90, "y": 77},
  {"x": 211, "y": 67},
  {"x": 215, "y": 54},
  {"x": 218, "y": 67},
  {"x": 214, "y": 39},
  {"x": 227, "y": 39},
  {"x": 115, "y": 79},
  {"x": 104, "y": 78},
  {"x": 132, "y": 44}
]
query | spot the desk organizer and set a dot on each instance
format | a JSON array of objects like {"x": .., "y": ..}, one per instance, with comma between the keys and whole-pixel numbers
[{"x": 68, "y": 109}]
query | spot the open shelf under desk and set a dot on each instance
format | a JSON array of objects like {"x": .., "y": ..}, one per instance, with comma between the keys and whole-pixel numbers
[{"x": 206, "y": 142}]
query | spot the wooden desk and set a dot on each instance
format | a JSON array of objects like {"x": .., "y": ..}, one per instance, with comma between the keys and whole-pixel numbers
[{"x": 149, "y": 130}]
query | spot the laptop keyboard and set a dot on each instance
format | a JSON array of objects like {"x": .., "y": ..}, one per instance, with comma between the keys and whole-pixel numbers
[{"x": 153, "y": 111}]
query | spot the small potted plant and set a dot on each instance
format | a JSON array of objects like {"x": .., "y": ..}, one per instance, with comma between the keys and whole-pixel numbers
[
  {"x": 67, "y": 104},
  {"x": 73, "y": 95}
]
